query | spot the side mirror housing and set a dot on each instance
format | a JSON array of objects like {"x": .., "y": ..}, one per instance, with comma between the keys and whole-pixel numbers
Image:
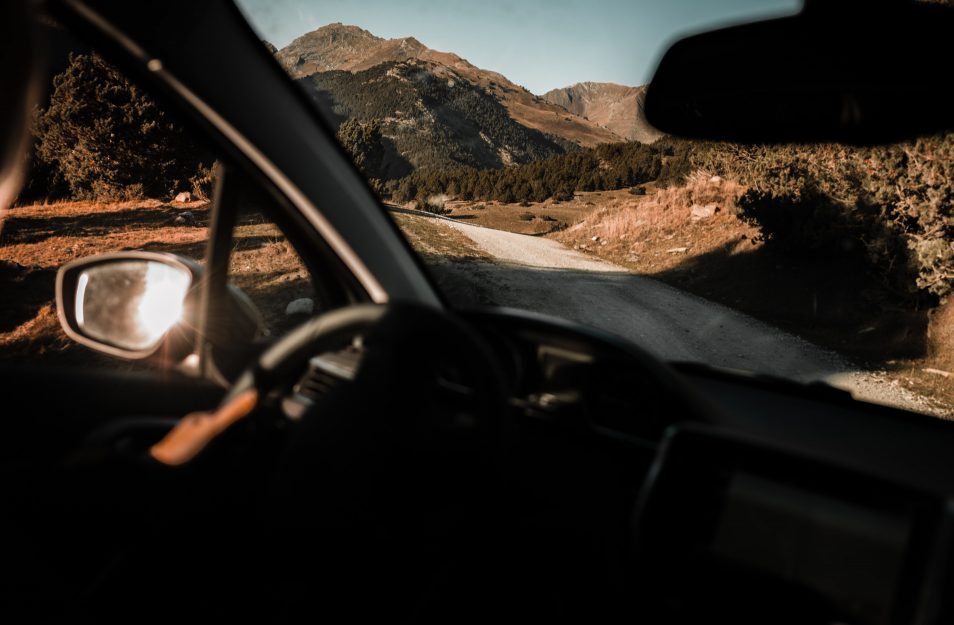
[{"x": 130, "y": 304}]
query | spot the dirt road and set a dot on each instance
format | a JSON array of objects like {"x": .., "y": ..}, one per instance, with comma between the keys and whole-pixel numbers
[{"x": 542, "y": 275}]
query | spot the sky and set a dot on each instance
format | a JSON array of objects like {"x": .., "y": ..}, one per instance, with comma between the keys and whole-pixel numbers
[{"x": 540, "y": 44}]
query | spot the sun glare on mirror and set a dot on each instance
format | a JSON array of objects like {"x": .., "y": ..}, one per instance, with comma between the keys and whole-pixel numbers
[
  {"x": 162, "y": 300},
  {"x": 131, "y": 304}
]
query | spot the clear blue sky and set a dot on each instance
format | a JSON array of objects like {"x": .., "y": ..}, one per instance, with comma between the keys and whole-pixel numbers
[{"x": 540, "y": 44}]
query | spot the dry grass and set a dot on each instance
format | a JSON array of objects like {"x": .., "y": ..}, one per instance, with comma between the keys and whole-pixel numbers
[
  {"x": 268, "y": 269},
  {"x": 548, "y": 216},
  {"x": 436, "y": 241},
  {"x": 655, "y": 232},
  {"x": 667, "y": 211},
  {"x": 933, "y": 375},
  {"x": 36, "y": 240},
  {"x": 449, "y": 255}
]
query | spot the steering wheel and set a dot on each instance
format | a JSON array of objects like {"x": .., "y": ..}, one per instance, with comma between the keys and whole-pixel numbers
[{"x": 423, "y": 408}]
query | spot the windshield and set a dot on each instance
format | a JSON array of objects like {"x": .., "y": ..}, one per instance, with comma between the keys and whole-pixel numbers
[{"x": 508, "y": 142}]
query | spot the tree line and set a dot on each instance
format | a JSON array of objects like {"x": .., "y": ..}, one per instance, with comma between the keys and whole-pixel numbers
[{"x": 604, "y": 167}]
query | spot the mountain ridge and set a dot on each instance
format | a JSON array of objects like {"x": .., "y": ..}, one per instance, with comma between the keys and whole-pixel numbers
[
  {"x": 619, "y": 108},
  {"x": 416, "y": 114},
  {"x": 350, "y": 48}
]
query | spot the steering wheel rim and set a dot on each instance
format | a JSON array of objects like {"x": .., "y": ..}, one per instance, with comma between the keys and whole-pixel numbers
[
  {"x": 390, "y": 431},
  {"x": 291, "y": 352},
  {"x": 423, "y": 334}
]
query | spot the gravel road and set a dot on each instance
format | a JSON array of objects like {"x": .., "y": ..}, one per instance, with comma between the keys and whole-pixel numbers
[{"x": 542, "y": 275}]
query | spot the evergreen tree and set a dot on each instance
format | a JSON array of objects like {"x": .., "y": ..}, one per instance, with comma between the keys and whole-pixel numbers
[{"x": 107, "y": 139}]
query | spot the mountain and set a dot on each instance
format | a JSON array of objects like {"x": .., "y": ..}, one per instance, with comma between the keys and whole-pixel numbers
[
  {"x": 340, "y": 47},
  {"x": 399, "y": 116},
  {"x": 615, "y": 107}
]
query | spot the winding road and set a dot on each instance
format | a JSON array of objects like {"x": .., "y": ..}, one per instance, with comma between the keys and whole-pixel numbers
[{"x": 544, "y": 276}]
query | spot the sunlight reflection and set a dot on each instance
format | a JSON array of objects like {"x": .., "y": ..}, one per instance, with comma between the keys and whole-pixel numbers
[{"x": 162, "y": 300}]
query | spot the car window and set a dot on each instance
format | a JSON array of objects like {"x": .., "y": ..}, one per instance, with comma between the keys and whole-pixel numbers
[
  {"x": 112, "y": 170},
  {"x": 510, "y": 144},
  {"x": 265, "y": 265}
]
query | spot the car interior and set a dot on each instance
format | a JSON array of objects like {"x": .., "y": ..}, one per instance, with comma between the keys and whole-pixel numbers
[{"x": 392, "y": 458}]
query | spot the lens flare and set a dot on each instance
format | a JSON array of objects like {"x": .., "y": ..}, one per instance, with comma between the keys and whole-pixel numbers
[{"x": 162, "y": 300}]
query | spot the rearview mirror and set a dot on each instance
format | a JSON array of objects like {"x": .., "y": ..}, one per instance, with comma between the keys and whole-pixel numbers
[
  {"x": 842, "y": 70},
  {"x": 124, "y": 304}
]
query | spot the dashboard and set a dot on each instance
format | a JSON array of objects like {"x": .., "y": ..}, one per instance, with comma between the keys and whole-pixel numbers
[
  {"x": 716, "y": 493},
  {"x": 765, "y": 500}
]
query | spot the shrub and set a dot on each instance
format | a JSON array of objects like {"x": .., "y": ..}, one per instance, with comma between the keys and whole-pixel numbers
[
  {"x": 565, "y": 194},
  {"x": 365, "y": 144},
  {"x": 108, "y": 140},
  {"x": 888, "y": 204},
  {"x": 434, "y": 204},
  {"x": 203, "y": 182},
  {"x": 526, "y": 216}
]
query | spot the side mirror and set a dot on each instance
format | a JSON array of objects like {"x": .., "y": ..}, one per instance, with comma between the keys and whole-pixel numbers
[{"x": 129, "y": 304}]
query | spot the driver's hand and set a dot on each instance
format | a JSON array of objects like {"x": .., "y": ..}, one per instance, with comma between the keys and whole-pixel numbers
[{"x": 190, "y": 436}]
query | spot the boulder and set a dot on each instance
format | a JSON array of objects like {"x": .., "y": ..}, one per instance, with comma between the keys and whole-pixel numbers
[
  {"x": 703, "y": 212},
  {"x": 185, "y": 196},
  {"x": 302, "y": 306}
]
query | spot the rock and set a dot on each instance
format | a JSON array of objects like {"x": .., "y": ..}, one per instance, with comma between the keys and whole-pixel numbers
[
  {"x": 703, "y": 212},
  {"x": 179, "y": 221},
  {"x": 185, "y": 217},
  {"x": 716, "y": 179},
  {"x": 303, "y": 306},
  {"x": 602, "y": 242},
  {"x": 185, "y": 196},
  {"x": 595, "y": 239},
  {"x": 677, "y": 250}
]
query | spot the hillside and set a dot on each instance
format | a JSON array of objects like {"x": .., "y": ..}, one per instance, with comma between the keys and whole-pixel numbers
[
  {"x": 352, "y": 49},
  {"x": 428, "y": 118},
  {"x": 615, "y": 107}
]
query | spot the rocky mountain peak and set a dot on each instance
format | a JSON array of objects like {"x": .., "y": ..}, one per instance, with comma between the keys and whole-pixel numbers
[
  {"x": 618, "y": 108},
  {"x": 350, "y": 48}
]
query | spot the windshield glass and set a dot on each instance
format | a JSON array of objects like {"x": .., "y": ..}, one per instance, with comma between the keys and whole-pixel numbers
[{"x": 508, "y": 141}]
